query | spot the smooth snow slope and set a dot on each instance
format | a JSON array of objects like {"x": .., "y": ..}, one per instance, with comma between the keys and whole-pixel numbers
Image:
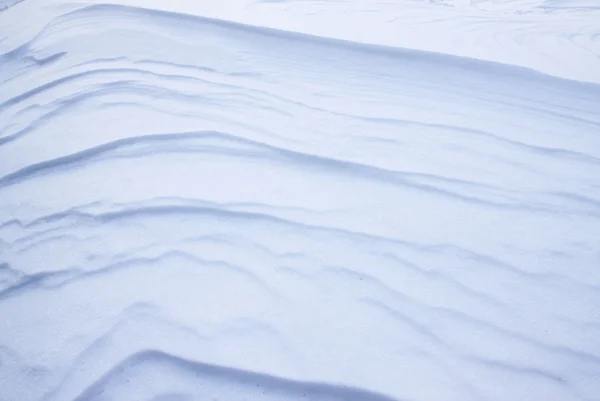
[
  {"x": 194, "y": 209},
  {"x": 558, "y": 37}
]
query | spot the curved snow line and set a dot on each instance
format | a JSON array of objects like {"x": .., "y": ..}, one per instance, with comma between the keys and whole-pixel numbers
[
  {"x": 308, "y": 161},
  {"x": 94, "y": 91},
  {"x": 251, "y": 217},
  {"x": 245, "y": 381}
]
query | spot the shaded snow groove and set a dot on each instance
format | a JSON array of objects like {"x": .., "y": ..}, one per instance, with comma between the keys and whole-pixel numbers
[
  {"x": 194, "y": 208},
  {"x": 150, "y": 364}
]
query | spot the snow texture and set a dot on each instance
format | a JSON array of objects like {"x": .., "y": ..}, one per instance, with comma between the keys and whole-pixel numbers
[{"x": 300, "y": 200}]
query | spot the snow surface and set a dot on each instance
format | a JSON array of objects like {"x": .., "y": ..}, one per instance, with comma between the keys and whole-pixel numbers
[{"x": 290, "y": 200}]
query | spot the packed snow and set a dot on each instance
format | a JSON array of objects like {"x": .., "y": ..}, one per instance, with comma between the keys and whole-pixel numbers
[{"x": 299, "y": 200}]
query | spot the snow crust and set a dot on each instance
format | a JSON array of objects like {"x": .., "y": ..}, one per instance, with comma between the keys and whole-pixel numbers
[{"x": 287, "y": 200}]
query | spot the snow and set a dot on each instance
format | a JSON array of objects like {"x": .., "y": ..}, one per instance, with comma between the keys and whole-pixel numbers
[{"x": 286, "y": 200}]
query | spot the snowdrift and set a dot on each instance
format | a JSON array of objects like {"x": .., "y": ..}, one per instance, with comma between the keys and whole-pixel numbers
[{"x": 193, "y": 208}]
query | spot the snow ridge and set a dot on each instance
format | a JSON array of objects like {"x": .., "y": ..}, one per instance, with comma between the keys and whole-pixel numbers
[{"x": 195, "y": 208}]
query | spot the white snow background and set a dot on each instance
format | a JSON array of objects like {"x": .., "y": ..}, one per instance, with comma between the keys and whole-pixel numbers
[{"x": 299, "y": 200}]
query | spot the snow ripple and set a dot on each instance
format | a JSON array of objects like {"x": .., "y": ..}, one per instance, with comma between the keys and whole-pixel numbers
[{"x": 195, "y": 208}]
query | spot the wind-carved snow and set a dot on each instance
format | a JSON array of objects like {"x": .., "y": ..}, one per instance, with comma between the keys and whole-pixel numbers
[
  {"x": 197, "y": 209},
  {"x": 557, "y": 37}
]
